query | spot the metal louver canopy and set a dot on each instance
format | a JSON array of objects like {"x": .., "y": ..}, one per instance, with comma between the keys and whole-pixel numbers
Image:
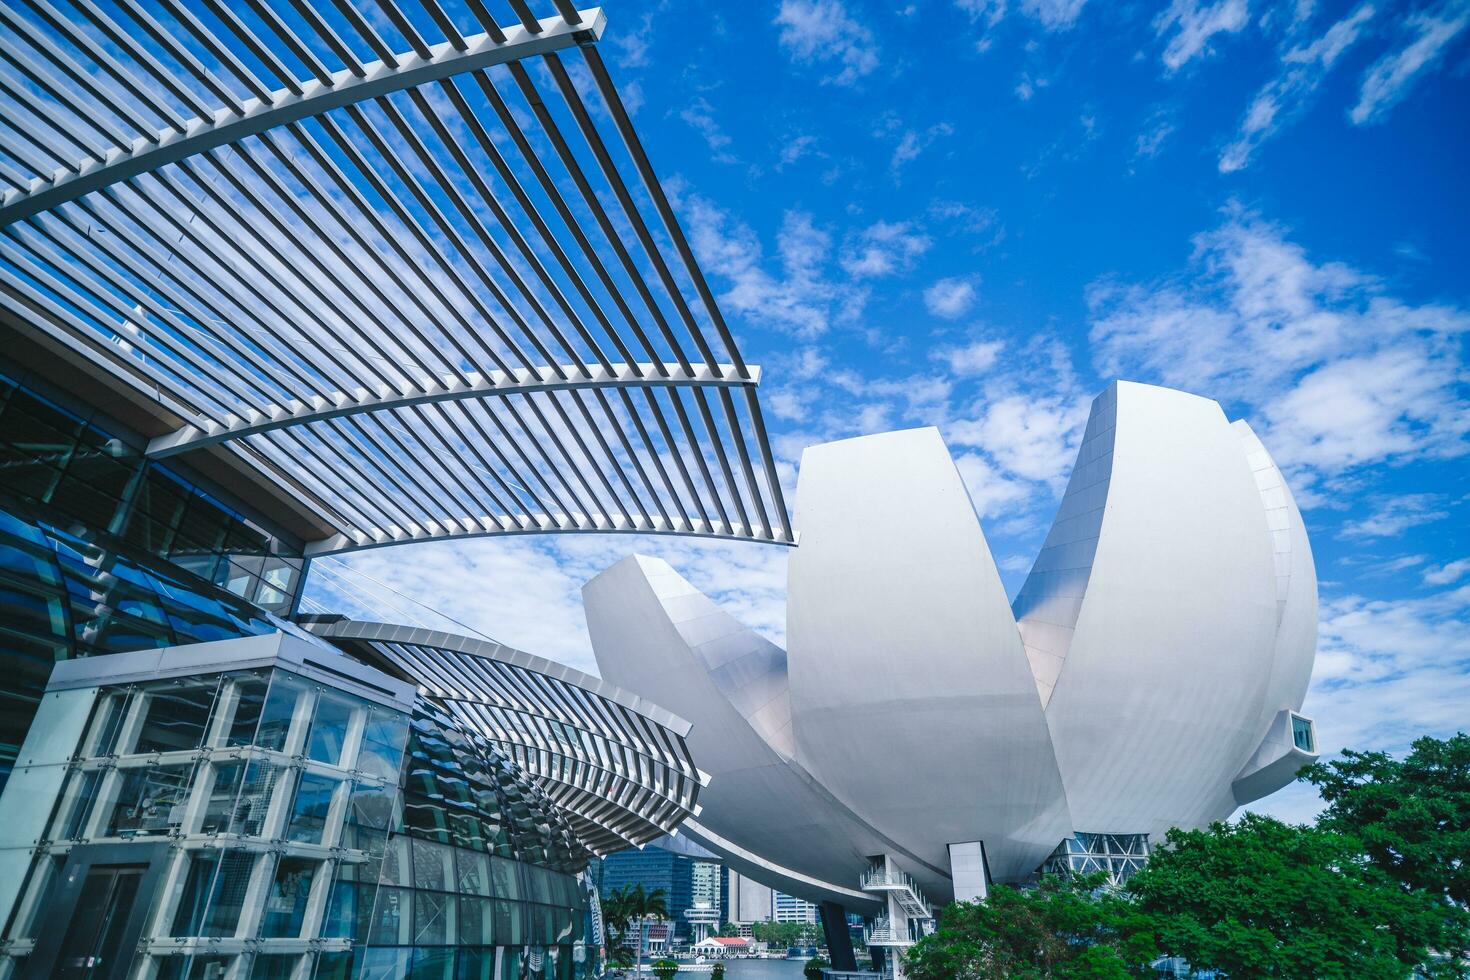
[
  {"x": 407, "y": 265},
  {"x": 615, "y": 764}
]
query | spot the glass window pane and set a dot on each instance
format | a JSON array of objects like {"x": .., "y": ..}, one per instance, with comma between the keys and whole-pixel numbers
[
  {"x": 382, "y": 744},
  {"x": 254, "y": 803},
  {"x": 214, "y": 893},
  {"x": 385, "y": 964},
  {"x": 432, "y": 964},
  {"x": 309, "y": 813},
  {"x": 476, "y": 921},
  {"x": 177, "y": 717},
  {"x": 433, "y": 866},
  {"x": 147, "y": 802},
  {"x": 71, "y": 816},
  {"x": 392, "y": 918},
  {"x": 220, "y": 810},
  {"x": 431, "y": 914},
  {"x": 397, "y": 866},
  {"x": 373, "y": 805},
  {"x": 275, "y": 966},
  {"x": 329, "y": 729},
  {"x": 286, "y": 908},
  {"x": 280, "y": 707},
  {"x": 249, "y": 697},
  {"x": 473, "y": 871},
  {"x": 505, "y": 878},
  {"x": 475, "y": 964}
]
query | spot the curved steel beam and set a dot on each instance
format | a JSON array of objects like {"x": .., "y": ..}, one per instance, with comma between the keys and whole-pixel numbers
[
  {"x": 447, "y": 388},
  {"x": 284, "y": 106},
  {"x": 541, "y": 524}
]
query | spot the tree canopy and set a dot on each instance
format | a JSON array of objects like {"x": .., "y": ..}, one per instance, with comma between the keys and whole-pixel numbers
[
  {"x": 1411, "y": 817},
  {"x": 1377, "y": 889}
]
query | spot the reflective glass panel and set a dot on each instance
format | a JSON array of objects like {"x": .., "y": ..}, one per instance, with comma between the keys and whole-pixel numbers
[{"x": 147, "y": 802}]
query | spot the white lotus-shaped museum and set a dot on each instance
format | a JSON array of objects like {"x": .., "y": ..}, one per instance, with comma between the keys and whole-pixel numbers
[{"x": 1147, "y": 675}]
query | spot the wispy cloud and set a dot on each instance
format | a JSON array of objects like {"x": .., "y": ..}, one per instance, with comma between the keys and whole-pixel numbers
[
  {"x": 973, "y": 358},
  {"x": 1341, "y": 373},
  {"x": 1447, "y": 574},
  {"x": 1054, "y": 15},
  {"x": 701, "y": 115},
  {"x": 821, "y": 31},
  {"x": 1392, "y": 516},
  {"x": 1303, "y": 69},
  {"x": 883, "y": 248},
  {"x": 951, "y": 297},
  {"x": 1192, "y": 25},
  {"x": 1390, "y": 79}
]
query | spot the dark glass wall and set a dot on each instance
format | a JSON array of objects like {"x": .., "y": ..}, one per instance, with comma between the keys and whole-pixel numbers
[
  {"x": 102, "y": 552},
  {"x": 63, "y": 595},
  {"x": 72, "y": 473}
]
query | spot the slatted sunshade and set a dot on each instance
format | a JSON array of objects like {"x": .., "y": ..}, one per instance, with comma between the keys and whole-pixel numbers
[
  {"x": 410, "y": 262},
  {"x": 617, "y": 765}
]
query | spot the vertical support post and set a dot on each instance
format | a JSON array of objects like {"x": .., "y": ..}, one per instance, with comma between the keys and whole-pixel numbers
[
  {"x": 839, "y": 940},
  {"x": 967, "y": 870}
]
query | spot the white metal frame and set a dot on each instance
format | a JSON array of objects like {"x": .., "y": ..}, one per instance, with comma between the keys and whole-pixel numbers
[{"x": 387, "y": 269}]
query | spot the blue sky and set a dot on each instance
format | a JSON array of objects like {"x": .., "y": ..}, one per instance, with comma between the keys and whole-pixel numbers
[{"x": 976, "y": 214}]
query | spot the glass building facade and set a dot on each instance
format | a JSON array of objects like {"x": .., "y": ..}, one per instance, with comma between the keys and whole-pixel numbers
[
  {"x": 262, "y": 824},
  {"x": 102, "y": 551}
]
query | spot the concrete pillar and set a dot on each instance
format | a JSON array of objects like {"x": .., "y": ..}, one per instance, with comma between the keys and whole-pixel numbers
[{"x": 839, "y": 940}]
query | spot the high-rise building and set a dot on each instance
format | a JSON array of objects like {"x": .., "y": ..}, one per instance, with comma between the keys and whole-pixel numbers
[
  {"x": 654, "y": 867},
  {"x": 787, "y": 908}
]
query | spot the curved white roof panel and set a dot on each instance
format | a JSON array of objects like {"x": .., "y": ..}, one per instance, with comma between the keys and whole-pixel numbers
[{"x": 405, "y": 264}]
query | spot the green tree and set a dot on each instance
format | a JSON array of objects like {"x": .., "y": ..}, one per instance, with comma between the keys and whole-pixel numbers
[
  {"x": 1261, "y": 898},
  {"x": 782, "y": 934},
  {"x": 717, "y": 972},
  {"x": 664, "y": 969},
  {"x": 1066, "y": 927},
  {"x": 632, "y": 907},
  {"x": 1412, "y": 818},
  {"x": 728, "y": 929},
  {"x": 814, "y": 967}
]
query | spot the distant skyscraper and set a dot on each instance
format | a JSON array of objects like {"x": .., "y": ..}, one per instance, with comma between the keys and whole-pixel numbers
[
  {"x": 706, "y": 884},
  {"x": 653, "y": 867},
  {"x": 786, "y": 908}
]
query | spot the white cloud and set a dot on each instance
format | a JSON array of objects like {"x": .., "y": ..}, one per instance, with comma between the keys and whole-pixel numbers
[
  {"x": 795, "y": 149},
  {"x": 1157, "y": 129},
  {"x": 883, "y": 248},
  {"x": 914, "y": 142},
  {"x": 991, "y": 491},
  {"x": 1193, "y": 25},
  {"x": 1393, "y": 516},
  {"x": 800, "y": 299},
  {"x": 1032, "y": 435},
  {"x": 700, "y": 115},
  {"x": 1390, "y": 79},
  {"x": 1448, "y": 573},
  {"x": 970, "y": 359},
  {"x": 1336, "y": 371},
  {"x": 950, "y": 298},
  {"x": 821, "y": 31},
  {"x": 1303, "y": 69},
  {"x": 1054, "y": 15}
]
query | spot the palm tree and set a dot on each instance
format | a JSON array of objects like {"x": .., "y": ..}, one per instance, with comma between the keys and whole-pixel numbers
[{"x": 632, "y": 905}]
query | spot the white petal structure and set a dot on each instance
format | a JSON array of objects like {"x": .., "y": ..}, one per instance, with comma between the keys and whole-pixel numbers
[{"x": 1147, "y": 675}]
